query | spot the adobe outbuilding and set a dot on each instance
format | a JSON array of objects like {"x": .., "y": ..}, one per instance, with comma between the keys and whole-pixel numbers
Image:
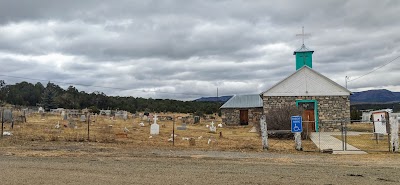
[{"x": 242, "y": 110}]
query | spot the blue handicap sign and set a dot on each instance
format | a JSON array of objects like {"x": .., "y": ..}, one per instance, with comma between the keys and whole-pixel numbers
[{"x": 297, "y": 125}]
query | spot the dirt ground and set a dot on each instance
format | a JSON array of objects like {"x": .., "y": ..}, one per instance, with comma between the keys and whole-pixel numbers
[
  {"x": 85, "y": 163},
  {"x": 39, "y": 153}
]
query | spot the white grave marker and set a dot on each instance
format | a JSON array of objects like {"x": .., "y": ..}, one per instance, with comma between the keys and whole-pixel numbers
[
  {"x": 155, "y": 128},
  {"x": 63, "y": 115},
  {"x": 83, "y": 118},
  {"x": 41, "y": 110},
  {"x": 213, "y": 128}
]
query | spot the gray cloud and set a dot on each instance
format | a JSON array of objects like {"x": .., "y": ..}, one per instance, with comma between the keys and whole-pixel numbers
[{"x": 186, "y": 49}]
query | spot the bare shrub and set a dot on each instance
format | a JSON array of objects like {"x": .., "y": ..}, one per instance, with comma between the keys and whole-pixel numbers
[{"x": 279, "y": 118}]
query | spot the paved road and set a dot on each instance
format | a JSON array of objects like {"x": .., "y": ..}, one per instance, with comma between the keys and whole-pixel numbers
[{"x": 159, "y": 169}]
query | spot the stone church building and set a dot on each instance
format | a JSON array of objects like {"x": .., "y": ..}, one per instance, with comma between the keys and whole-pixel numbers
[{"x": 322, "y": 99}]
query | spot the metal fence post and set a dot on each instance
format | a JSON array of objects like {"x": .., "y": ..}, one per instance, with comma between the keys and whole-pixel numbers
[
  {"x": 88, "y": 127},
  {"x": 2, "y": 122},
  {"x": 343, "y": 136},
  {"x": 319, "y": 137}
]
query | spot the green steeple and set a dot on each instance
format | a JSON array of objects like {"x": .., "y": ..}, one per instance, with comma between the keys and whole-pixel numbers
[{"x": 303, "y": 57}]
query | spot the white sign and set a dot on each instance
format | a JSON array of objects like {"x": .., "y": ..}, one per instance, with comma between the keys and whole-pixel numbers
[{"x": 379, "y": 122}]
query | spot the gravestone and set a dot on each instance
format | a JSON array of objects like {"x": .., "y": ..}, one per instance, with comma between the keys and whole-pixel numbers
[
  {"x": 64, "y": 115},
  {"x": 7, "y": 116},
  {"x": 144, "y": 118},
  {"x": 192, "y": 142},
  {"x": 196, "y": 119},
  {"x": 71, "y": 124},
  {"x": 182, "y": 127},
  {"x": 41, "y": 110},
  {"x": 154, "y": 128},
  {"x": 213, "y": 128},
  {"x": 83, "y": 118}
]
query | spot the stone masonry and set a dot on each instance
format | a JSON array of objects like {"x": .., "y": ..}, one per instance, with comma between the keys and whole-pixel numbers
[
  {"x": 329, "y": 107},
  {"x": 232, "y": 116}
]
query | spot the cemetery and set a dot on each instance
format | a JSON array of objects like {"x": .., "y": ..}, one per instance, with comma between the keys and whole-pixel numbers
[
  {"x": 175, "y": 131},
  {"x": 139, "y": 131}
]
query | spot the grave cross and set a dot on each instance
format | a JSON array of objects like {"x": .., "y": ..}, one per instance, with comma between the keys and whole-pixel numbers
[{"x": 155, "y": 118}]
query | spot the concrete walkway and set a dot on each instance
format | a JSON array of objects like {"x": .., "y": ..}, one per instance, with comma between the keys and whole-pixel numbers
[{"x": 325, "y": 140}]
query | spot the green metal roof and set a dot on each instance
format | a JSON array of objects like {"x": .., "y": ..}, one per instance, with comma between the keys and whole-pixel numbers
[
  {"x": 244, "y": 101},
  {"x": 303, "y": 48}
]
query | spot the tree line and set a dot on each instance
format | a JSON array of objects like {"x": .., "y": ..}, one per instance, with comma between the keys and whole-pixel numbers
[{"x": 53, "y": 96}]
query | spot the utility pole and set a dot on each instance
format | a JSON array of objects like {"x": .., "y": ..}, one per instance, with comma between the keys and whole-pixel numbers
[
  {"x": 217, "y": 95},
  {"x": 345, "y": 79}
]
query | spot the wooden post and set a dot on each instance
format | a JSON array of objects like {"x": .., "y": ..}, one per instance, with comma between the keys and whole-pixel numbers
[
  {"x": 88, "y": 127},
  {"x": 24, "y": 116},
  {"x": 297, "y": 141},
  {"x": 12, "y": 120},
  {"x": 264, "y": 133},
  {"x": 394, "y": 133},
  {"x": 173, "y": 131},
  {"x": 2, "y": 122}
]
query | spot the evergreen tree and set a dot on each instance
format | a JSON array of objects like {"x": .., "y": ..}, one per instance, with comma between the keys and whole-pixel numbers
[{"x": 48, "y": 98}]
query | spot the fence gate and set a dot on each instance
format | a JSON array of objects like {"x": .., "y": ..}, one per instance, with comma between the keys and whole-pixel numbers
[
  {"x": 344, "y": 135},
  {"x": 362, "y": 136}
]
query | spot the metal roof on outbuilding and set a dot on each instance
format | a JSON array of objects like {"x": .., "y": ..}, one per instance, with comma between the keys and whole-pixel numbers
[{"x": 244, "y": 101}]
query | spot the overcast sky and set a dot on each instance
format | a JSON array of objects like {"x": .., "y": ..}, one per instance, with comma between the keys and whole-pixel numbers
[{"x": 187, "y": 49}]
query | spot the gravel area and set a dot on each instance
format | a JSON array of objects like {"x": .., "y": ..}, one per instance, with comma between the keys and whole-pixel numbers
[{"x": 198, "y": 167}]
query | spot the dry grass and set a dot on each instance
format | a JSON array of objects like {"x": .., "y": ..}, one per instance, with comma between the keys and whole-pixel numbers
[
  {"x": 107, "y": 131},
  {"x": 360, "y": 127},
  {"x": 368, "y": 142}
]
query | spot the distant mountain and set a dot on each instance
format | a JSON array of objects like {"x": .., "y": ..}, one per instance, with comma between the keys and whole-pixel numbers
[
  {"x": 215, "y": 99},
  {"x": 375, "y": 96}
]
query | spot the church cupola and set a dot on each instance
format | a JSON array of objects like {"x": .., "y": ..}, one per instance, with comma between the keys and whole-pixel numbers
[
  {"x": 303, "y": 54},
  {"x": 303, "y": 57}
]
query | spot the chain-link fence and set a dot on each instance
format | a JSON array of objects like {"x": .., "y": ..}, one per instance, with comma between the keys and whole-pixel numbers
[
  {"x": 363, "y": 136},
  {"x": 353, "y": 135},
  {"x": 333, "y": 135}
]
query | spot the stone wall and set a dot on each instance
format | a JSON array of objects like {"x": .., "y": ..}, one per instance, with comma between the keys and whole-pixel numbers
[
  {"x": 231, "y": 116},
  {"x": 329, "y": 107}
]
